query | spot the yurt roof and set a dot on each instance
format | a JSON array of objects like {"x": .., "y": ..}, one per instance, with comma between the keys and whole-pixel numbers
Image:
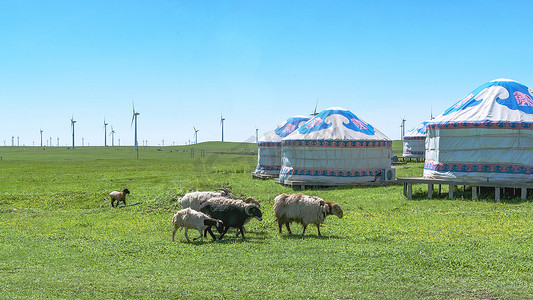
[
  {"x": 501, "y": 102},
  {"x": 284, "y": 129},
  {"x": 337, "y": 123},
  {"x": 418, "y": 131}
]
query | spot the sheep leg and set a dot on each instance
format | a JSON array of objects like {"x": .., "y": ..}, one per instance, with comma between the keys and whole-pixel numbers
[
  {"x": 174, "y": 233},
  {"x": 318, "y": 228},
  {"x": 242, "y": 232},
  {"x": 112, "y": 202},
  {"x": 223, "y": 233},
  {"x": 280, "y": 226},
  {"x": 208, "y": 229},
  {"x": 288, "y": 228},
  {"x": 186, "y": 235},
  {"x": 303, "y": 232},
  {"x": 200, "y": 237}
]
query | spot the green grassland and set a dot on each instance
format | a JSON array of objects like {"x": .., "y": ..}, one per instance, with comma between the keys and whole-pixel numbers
[{"x": 64, "y": 241}]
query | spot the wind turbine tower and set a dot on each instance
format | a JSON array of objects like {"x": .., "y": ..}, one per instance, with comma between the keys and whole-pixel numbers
[
  {"x": 222, "y": 124},
  {"x": 112, "y": 134},
  {"x": 403, "y": 127},
  {"x": 12, "y": 141},
  {"x": 256, "y": 135},
  {"x": 134, "y": 118},
  {"x": 41, "y": 137},
  {"x": 72, "y": 122},
  {"x": 195, "y": 135},
  {"x": 105, "y": 133}
]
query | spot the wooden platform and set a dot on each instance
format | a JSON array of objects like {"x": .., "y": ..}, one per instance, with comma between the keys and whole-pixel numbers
[
  {"x": 408, "y": 186},
  {"x": 305, "y": 184},
  {"x": 406, "y": 159},
  {"x": 262, "y": 176}
]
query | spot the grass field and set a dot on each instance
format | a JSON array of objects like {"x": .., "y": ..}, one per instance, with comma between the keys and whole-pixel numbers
[{"x": 63, "y": 241}]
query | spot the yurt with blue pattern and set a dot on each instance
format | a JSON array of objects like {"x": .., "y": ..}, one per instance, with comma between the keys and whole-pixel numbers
[
  {"x": 486, "y": 136},
  {"x": 414, "y": 142},
  {"x": 269, "y": 146},
  {"x": 333, "y": 148}
]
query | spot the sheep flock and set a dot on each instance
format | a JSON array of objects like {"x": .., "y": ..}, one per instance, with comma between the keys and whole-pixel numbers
[{"x": 202, "y": 210}]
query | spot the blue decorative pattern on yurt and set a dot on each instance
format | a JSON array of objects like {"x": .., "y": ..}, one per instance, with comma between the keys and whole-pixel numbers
[
  {"x": 354, "y": 123},
  {"x": 519, "y": 97},
  {"x": 290, "y": 126},
  {"x": 468, "y": 101},
  {"x": 422, "y": 127}
]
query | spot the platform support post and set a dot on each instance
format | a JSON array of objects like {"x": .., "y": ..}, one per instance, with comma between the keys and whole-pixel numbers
[{"x": 450, "y": 191}]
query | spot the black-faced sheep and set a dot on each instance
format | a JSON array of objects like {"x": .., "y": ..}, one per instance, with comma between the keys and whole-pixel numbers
[
  {"x": 118, "y": 196},
  {"x": 191, "y": 219},
  {"x": 195, "y": 199},
  {"x": 303, "y": 209},
  {"x": 234, "y": 213}
]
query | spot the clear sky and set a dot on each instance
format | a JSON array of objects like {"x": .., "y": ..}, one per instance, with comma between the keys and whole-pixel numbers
[{"x": 184, "y": 63}]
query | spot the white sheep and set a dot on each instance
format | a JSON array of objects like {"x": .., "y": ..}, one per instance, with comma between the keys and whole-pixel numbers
[
  {"x": 303, "y": 209},
  {"x": 191, "y": 219},
  {"x": 195, "y": 199},
  {"x": 118, "y": 196}
]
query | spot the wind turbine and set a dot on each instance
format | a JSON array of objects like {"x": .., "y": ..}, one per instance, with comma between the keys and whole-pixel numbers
[
  {"x": 72, "y": 122},
  {"x": 403, "y": 127},
  {"x": 12, "y": 141},
  {"x": 256, "y": 135},
  {"x": 41, "y": 137},
  {"x": 195, "y": 135},
  {"x": 112, "y": 134},
  {"x": 105, "y": 133},
  {"x": 134, "y": 117},
  {"x": 222, "y": 124},
  {"x": 314, "y": 113}
]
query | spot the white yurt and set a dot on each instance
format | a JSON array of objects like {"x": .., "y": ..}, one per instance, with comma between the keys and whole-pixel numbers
[
  {"x": 486, "y": 136},
  {"x": 333, "y": 148},
  {"x": 269, "y": 146},
  {"x": 414, "y": 142}
]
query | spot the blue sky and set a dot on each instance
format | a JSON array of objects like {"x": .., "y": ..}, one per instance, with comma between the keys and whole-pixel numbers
[{"x": 184, "y": 63}]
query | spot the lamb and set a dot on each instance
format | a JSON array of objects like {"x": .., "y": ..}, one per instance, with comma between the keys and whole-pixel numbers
[
  {"x": 232, "y": 212},
  {"x": 303, "y": 209},
  {"x": 195, "y": 199},
  {"x": 191, "y": 219},
  {"x": 118, "y": 196}
]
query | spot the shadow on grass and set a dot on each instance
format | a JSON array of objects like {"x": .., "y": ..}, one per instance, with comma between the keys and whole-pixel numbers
[
  {"x": 258, "y": 237},
  {"x": 293, "y": 236}
]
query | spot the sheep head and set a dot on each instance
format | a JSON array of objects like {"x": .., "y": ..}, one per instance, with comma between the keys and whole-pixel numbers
[
  {"x": 126, "y": 191},
  {"x": 336, "y": 210},
  {"x": 253, "y": 211},
  {"x": 215, "y": 222}
]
